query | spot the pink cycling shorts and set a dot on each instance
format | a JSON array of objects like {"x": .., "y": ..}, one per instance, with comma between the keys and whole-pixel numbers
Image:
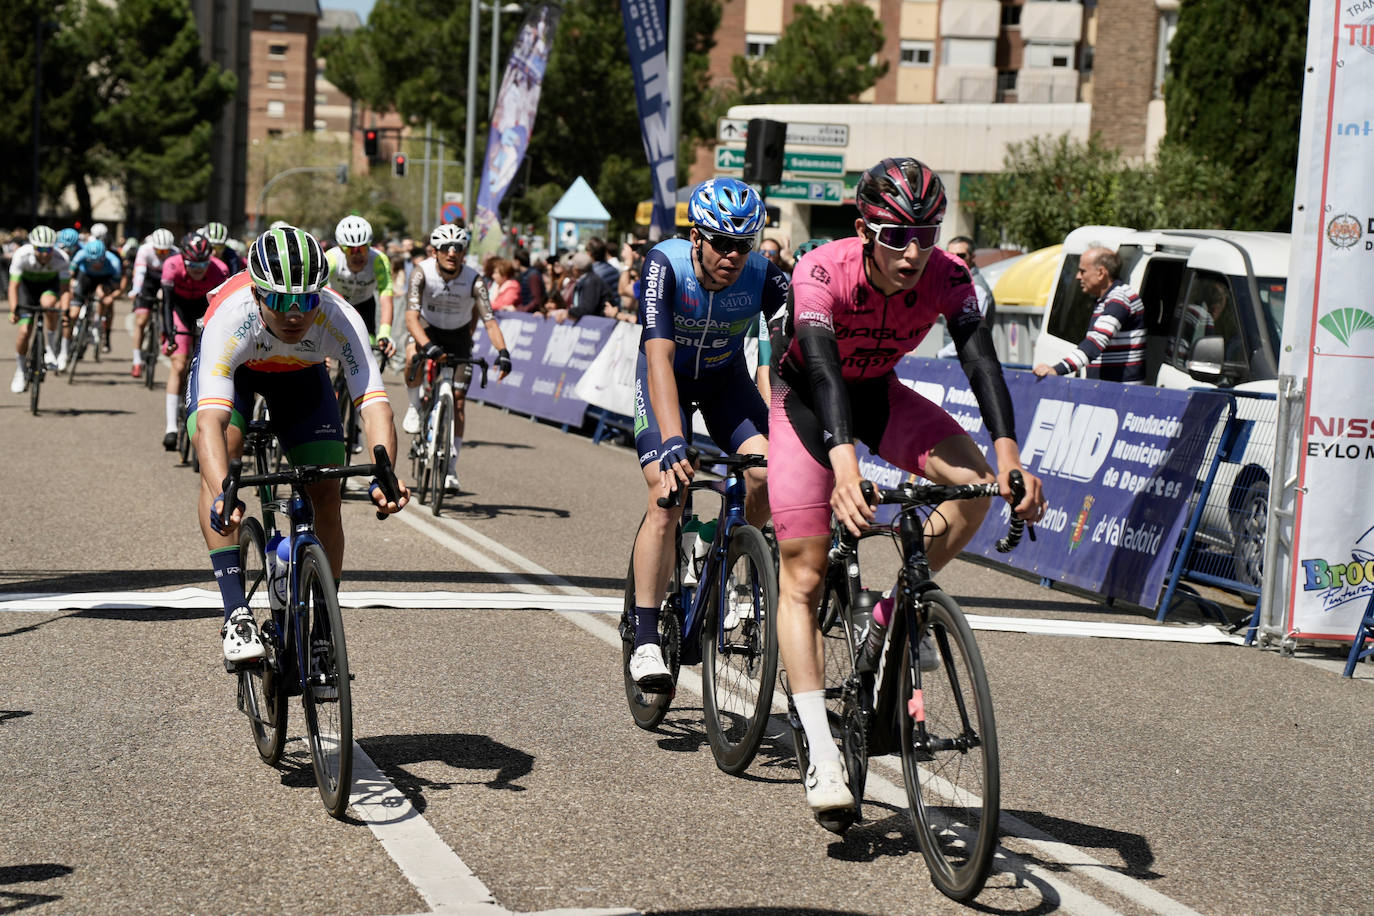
[{"x": 892, "y": 420}]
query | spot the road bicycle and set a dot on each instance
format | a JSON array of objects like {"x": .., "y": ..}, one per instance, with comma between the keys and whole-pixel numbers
[
  {"x": 302, "y": 631},
  {"x": 433, "y": 444},
  {"x": 935, "y": 712},
  {"x": 185, "y": 443},
  {"x": 725, "y": 623},
  {"x": 35, "y": 356},
  {"x": 87, "y": 333},
  {"x": 150, "y": 345}
]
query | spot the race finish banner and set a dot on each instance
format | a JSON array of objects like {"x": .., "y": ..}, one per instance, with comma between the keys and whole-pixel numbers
[
  {"x": 646, "y": 35},
  {"x": 512, "y": 122},
  {"x": 1119, "y": 464},
  {"x": 1328, "y": 331}
]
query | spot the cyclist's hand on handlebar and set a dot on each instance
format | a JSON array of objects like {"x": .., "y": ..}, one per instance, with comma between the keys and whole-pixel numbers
[
  {"x": 848, "y": 503},
  {"x": 169, "y": 344},
  {"x": 1032, "y": 506},
  {"x": 221, "y": 525},
  {"x": 674, "y": 464},
  {"x": 374, "y": 492},
  {"x": 386, "y": 346},
  {"x": 433, "y": 351},
  {"x": 503, "y": 363}
]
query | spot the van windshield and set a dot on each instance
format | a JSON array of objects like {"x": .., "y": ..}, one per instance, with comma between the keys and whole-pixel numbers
[{"x": 1272, "y": 291}]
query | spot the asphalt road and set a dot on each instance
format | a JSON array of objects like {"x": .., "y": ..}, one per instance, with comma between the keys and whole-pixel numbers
[{"x": 1137, "y": 776}]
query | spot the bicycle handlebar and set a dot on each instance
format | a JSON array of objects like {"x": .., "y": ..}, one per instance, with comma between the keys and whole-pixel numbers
[
  {"x": 448, "y": 359},
  {"x": 913, "y": 495},
  {"x": 675, "y": 494},
  {"x": 305, "y": 475}
]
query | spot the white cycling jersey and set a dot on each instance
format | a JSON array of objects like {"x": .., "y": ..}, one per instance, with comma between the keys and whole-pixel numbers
[
  {"x": 447, "y": 304},
  {"x": 145, "y": 262},
  {"x": 26, "y": 266},
  {"x": 358, "y": 287}
]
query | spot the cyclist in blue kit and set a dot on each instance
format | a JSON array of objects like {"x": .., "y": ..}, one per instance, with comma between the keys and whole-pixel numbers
[{"x": 699, "y": 298}]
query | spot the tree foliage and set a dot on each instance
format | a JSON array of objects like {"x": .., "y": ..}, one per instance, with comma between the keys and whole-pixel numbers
[
  {"x": 1051, "y": 185},
  {"x": 825, "y": 56},
  {"x": 1234, "y": 95}
]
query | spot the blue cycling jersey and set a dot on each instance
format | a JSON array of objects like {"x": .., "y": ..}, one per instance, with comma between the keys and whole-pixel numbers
[
  {"x": 708, "y": 327},
  {"x": 100, "y": 268}
]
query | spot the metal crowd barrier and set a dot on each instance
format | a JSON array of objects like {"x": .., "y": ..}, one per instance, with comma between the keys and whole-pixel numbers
[{"x": 1223, "y": 544}]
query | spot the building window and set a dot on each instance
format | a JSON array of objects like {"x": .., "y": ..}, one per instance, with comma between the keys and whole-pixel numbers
[
  {"x": 968, "y": 52},
  {"x": 1006, "y": 84},
  {"x": 276, "y": 52},
  {"x": 274, "y": 132},
  {"x": 278, "y": 22},
  {"x": 1050, "y": 54},
  {"x": 918, "y": 53},
  {"x": 756, "y": 44},
  {"x": 1011, "y": 16},
  {"x": 321, "y": 124},
  {"x": 1085, "y": 59},
  {"x": 276, "y": 109},
  {"x": 276, "y": 79},
  {"x": 321, "y": 98}
]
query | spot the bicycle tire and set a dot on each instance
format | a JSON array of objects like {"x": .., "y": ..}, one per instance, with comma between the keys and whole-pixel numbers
[
  {"x": 648, "y": 708},
  {"x": 151, "y": 347},
  {"x": 259, "y": 695},
  {"x": 183, "y": 433},
  {"x": 37, "y": 366},
  {"x": 78, "y": 345},
  {"x": 952, "y": 775},
  {"x": 439, "y": 456},
  {"x": 740, "y": 664},
  {"x": 328, "y": 720}
]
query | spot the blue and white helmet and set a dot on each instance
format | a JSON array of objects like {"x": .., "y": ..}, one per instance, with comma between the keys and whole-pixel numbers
[
  {"x": 727, "y": 206},
  {"x": 69, "y": 239}
]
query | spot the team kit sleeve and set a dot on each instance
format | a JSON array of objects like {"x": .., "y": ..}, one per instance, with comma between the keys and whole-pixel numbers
[
  {"x": 978, "y": 355},
  {"x": 381, "y": 269},
  {"x": 415, "y": 293},
  {"x": 481, "y": 299},
  {"x": 658, "y": 291},
  {"x": 813, "y": 298},
  {"x": 219, "y": 356}
]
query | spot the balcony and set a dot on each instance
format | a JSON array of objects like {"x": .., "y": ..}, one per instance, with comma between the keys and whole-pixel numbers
[
  {"x": 1047, "y": 84},
  {"x": 1049, "y": 21},
  {"x": 966, "y": 84},
  {"x": 973, "y": 18}
]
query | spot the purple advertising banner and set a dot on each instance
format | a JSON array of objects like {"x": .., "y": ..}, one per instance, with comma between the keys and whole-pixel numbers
[
  {"x": 548, "y": 359},
  {"x": 1119, "y": 464}
]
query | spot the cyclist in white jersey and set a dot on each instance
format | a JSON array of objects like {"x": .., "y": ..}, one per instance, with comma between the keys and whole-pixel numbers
[
  {"x": 147, "y": 284},
  {"x": 39, "y": 274},
  {"x": 362, "y": 275},
  {"x": 443, "y": 304}
]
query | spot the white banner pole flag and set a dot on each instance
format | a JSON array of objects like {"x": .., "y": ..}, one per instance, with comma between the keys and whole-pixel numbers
[{"x": 1328, "y": 333}]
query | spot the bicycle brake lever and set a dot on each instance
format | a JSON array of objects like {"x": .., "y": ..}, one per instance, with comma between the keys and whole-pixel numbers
[{"x": 386, "y": 477}]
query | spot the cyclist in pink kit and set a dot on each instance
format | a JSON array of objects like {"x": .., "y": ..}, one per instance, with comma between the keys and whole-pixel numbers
[
  {"x": 187, "y": 279},
  {"x": 856, "y": 307}
]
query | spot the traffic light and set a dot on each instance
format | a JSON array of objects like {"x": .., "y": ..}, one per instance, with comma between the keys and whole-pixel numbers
[
  {"x": 398, "y": 165},
  {"x": 370, "y": 143}
]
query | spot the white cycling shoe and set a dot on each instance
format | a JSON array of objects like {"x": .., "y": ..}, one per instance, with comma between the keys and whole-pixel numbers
[
  {"x": 648, "y": 669},
  {"x": 411, "y": 422},
  {"x": 451, "y": 483},
  {"x": 827, "y": 787},
  {"x": 18, "y": 383},
  {"x": 240, "y": 634}
]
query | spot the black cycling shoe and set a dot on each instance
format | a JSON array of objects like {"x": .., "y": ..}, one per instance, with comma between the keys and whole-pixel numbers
[{"x": 169, "y": 442}]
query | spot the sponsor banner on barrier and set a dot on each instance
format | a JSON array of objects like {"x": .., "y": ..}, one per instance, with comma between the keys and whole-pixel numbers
[
  {"x": 1119, "y": 464},
  {"x": 1328, "y": 330},
  {"x": 548, "y": 360}
]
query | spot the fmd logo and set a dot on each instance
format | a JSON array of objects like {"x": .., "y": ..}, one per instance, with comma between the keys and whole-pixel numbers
[{"x": 1071, "y": 440}]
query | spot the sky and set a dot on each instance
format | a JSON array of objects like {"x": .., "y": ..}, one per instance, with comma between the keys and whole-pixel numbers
[{"x": 361, "y": 7}]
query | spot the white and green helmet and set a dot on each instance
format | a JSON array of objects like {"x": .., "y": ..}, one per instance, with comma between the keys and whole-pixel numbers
[
  {"x": 217, "y": 233},
  {"x": 287, "y": 260},
  {"x": 42, "y": 237}
]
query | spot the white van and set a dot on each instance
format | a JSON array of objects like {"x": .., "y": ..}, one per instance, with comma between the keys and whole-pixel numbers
[{"x": 1214, "y": 309}]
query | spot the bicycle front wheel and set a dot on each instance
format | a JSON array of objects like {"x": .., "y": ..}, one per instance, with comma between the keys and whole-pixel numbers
[
  {"x": 36, "y": 362},
  {"x": 260, "y": 696},
  {"x": 443, "y": 449},
  {"x": 151, "y": 348},
  {"x": 739, "y": 651},
  {"x": 327, "y": 698},
  {"x": 78, "y": 345},
  {"x": 949, "y": 754}
]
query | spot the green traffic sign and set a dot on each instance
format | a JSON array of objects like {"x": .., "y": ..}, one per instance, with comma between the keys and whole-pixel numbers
[
  {"x": 826, "y": 191},
  {"x": 732, "y": 158}
]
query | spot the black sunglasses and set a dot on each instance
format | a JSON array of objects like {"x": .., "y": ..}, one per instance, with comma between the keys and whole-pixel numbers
[{"x": 726, "y": 244}]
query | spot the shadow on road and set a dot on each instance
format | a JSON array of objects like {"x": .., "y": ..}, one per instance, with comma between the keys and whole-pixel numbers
[
  {"x": 14, "y": 901},
  {"x": 1133, "y": 848},
  {"x": 393, "y": 753}
]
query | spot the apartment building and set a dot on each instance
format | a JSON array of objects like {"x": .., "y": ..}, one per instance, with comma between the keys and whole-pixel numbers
[{"x": 281, "y": 94}]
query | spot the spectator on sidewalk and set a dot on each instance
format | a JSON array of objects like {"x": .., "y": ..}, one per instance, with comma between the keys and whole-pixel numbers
[{"x": 1114, "y": 347}]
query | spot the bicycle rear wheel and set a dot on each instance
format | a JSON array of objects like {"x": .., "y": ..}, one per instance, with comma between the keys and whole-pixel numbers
[
  {"x": 949, "y": 754},
  {"x": 37, "y": 366},
  {"x": 80, "y": 337},
  {"x": 259, "y": 695},
  {"x": 648, "y": 708},
  {"x": 327, "y": 698},
  {"x": 443, "y": 448},
  {"x": 739, "y": 652}
]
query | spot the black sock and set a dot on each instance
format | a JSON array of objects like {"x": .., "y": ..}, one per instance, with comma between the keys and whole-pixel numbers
[
  {"x": 646, "y": 626},
  {"x": 229, "y": 578}
]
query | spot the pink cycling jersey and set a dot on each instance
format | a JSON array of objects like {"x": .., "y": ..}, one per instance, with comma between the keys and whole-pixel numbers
[{"x": 187, "y": 287}]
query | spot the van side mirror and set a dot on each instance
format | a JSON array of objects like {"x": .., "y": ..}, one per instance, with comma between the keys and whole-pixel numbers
[{"x": 1206, "y": 361}]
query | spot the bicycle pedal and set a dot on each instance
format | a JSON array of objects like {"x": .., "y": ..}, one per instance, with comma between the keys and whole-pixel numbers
[{"x": 837, "y": 822}]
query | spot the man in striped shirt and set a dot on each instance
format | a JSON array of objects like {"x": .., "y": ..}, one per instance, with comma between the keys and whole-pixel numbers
[{"x": 1115, "y": 341}]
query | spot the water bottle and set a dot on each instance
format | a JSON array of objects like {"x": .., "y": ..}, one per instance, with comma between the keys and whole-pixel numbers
[
  {"x": 690, "y": 536},
  {"x": 879, "y": 613},
  {"x": 279, "y": 559},
  {"x": 706, "y": 534}
]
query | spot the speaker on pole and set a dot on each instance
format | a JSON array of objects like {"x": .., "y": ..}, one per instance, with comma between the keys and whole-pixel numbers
[{"x": 763, "y": 151}]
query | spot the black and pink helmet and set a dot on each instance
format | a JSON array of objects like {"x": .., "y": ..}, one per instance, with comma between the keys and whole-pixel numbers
[{"x": 904, "y": 191}]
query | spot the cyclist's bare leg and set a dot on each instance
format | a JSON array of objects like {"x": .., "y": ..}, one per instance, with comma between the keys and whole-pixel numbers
[
  {"x": 756, "y": 509},
  {"x": 654, "y": 544},
  {"x": 140, "y": 323},
  {"x": 327, "y": 500},
  {"x": 177, "y": 372},
  {"x": 957, "y": 461},
  {"x": 460, "y": 412},
  {"x": 800, "y": 581}
]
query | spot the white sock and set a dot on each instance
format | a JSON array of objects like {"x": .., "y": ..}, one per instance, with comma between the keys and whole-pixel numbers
[
  {"x": 414, "y": 395},
  {"x": 811, "y": 710},
  {"x": 52, "y": 341},
  {"x": 138, "y": 357},
  {"x": 66, "y": 343},
  {"x": 172, "y": 400},
  {"x": 457, "y": 444},
  {"x": 18, "y": 364}
]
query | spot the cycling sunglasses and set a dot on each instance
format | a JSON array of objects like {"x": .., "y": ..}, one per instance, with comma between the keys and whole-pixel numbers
[
  {"x": 287, "y": 302},
  {"x": 450, "y": 247},
  {"x": 197, "y": 263},
  {"x": 726, "y": 244},
  {"x": 898, "y": 237},
  {"x": 356, "y": 248},
  {"x": 42, "y": 249}
]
